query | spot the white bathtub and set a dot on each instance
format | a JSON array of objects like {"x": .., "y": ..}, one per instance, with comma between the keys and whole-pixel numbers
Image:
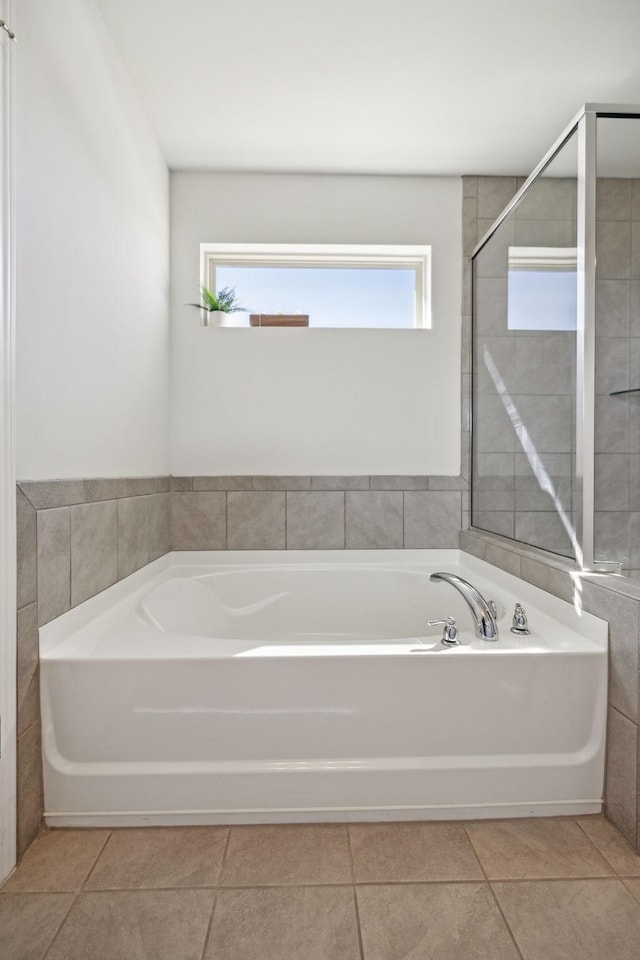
[{"x": 264, "y": 687}]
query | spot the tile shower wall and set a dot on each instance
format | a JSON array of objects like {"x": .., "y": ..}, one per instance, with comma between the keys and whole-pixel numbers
[
  {"x": 616, "y": 600},
  {"x": 317, "y": 513},
  {"x": 617, "y": 418},
  {"x": 535, "y": 370},
  {"x": 508, "y": 500},
  {"x": 75, "y": 538}
]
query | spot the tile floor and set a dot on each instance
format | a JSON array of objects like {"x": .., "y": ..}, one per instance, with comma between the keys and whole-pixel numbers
[{"x": 551, "y": 889}]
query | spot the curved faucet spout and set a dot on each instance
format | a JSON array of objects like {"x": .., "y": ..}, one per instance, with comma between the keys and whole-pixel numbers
[{"x": 481, "y": 609}]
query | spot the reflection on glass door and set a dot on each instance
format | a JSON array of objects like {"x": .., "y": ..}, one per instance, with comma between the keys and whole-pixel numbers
[{"x": 524, "y": 362}]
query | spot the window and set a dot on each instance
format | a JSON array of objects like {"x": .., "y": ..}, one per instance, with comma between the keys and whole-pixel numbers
[
  {"x": 542, "y": 288},
  {"x": 323, "y": 285}
]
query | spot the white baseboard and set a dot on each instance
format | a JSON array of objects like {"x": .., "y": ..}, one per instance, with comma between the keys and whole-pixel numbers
[{"x": 485, "y": 811}]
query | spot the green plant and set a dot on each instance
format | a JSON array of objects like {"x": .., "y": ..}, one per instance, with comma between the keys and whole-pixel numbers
[{"x": 224, "y": 300}]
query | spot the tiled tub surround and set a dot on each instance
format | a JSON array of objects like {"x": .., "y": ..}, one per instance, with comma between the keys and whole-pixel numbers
[
  {"x": 316, "y": 513},
  {"x": 616, "y": 600},
  {"x": 75, "y": 538}
]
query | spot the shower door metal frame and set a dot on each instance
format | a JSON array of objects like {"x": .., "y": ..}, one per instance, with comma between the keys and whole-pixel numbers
[{"x": 584, "y": 126}]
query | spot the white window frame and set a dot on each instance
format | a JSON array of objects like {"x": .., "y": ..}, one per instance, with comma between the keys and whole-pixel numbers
[
  {"x": 534, "y": 259},
  {"x": 537, "y": 258},
  {"x": 384, "y": 256}
]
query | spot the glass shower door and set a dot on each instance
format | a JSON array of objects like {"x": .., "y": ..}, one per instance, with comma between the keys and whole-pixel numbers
[
  {"x": 524, "y": 365},
  {"x": 617, "y": 344}
]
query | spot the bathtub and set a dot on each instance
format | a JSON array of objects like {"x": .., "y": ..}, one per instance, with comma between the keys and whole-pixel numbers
[{"x": 271, "y": 686}]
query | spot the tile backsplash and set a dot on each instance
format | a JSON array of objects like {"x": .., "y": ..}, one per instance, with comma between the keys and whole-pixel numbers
[{"x": 316, "y": 513}]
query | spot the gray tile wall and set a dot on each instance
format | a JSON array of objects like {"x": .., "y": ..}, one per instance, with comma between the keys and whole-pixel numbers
[
  {"x": 617, "y": 419},
  {"x": 75, "y": 538},
  {"x": 508, "y": 499},
  {"x": 616, "y": 600},
  {"x": 317, "y": 513},
  {"x": 536, "y": 368}
]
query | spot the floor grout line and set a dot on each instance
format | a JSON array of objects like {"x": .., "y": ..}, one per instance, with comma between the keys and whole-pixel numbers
[
  {"x": 95, "y": 862},
  {"x": 351, "y": 860},
  {"x": 224, "y": 854},
  {"x": 218, "y": 888},
  {"x": 626, "y": 886},
  {"x": 493, "y": 895},
  {"x": 506, "y": 922},
  {"x": 358, "y": 925},
  {"x": 62, "y": 923},
  {"x": 475, "y": 853},
  {"x": 207, "y": 935},
  {"x": 355, "y": 893},
  {"x": 597, "y": 848}
]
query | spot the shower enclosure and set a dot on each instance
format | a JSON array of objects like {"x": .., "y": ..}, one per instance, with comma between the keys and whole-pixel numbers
[{"x": 556, "y": 351}]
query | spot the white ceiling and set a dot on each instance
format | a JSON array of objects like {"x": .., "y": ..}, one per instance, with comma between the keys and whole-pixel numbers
[{"x": 365, "y": 86}]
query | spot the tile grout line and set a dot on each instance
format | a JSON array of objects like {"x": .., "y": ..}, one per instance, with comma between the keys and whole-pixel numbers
[
  {"x": 224, "y": 856},
  {"x": 215, "y": 895},
  {"x": 355, "y": 893},
  {"x": 358, "y": 924},
  {"x": 493, "y": 894},
  {"x": 207, "y": 935},
  {"x": 75, "y": 899},
  {"x": 70, "y": 607},
  {"x": 317, "y": 885},
  {"x": 598, "y": 850},
  {"x": 344, "y": 524},
  {"x": 623, "y": 881},
  {"x": 344, "y": 519},
  {"x": 62, "y": 923},
  {"x": 118, "y": 578},
  {"x": 95, "y": 863}
]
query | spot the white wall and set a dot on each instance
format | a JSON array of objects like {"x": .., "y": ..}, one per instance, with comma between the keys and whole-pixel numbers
[
  {"x": 92, "y": 210},
  {"x": 315, "y": 401}
]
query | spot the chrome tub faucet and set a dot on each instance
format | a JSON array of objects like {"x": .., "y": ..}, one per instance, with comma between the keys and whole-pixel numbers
[{"x": 483, "y": 611}]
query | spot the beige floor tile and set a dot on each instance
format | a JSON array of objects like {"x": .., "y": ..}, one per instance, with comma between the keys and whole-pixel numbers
[
  {"x": 393, "y": 852},
  {"x": 59, "y": 860},
  {"x": 532, "y": 849},
  {"x": 434, "y": 921},
  {"x": 28, "y": 922},
  {"x": 139, "y": 925},
  {"x": 293, "y": 923},
  {"x": 287, "y": 854},
  {"x": 160, "y": 857},
  {"x": 612, "y": 845},
  {"x": 572, "y": 919}
]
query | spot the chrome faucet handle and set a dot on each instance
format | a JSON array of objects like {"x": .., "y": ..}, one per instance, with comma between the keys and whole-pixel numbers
[
  {"x": 520, "y": 624},
  {"x": 450, "y": 632}
]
